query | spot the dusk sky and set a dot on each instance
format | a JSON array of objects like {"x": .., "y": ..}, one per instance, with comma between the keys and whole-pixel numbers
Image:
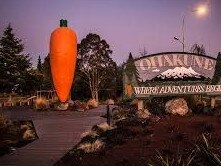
[{"x": 126, "y": 25}]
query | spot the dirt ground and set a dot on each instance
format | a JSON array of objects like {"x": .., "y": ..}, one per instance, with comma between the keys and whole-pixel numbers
[{"x": 170, "y": 135}]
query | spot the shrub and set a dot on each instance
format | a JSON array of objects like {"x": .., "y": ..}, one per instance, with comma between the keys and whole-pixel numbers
[
  {"x": 207, "y": 151},
  {"x": 29, "y": 135},
  {"x": 105, "y": 127},
  {"x": 92, "y": 103},
  {"x": 92, "y": 147},
  {"x": 89, "y": 133},
  {"x": 41, "y": 103}
]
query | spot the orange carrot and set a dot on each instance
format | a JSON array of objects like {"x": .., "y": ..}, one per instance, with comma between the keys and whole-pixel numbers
[{"x": 63, "y": 57}]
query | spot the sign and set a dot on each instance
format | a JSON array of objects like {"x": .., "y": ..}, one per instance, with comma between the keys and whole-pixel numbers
[
  {"x": 176, "y": 90},
  {"x": 149, "y": 67},
  {"x": 169, "y": 73}
]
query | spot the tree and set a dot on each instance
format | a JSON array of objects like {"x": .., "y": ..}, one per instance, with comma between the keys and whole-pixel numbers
[
  {"x": 14, "y": 64},
  {"x": 143, "y": 52},
  {"x": 197, "y": 49},
  {"x": 96, "y": 65},
  {"x": 217, "y": 73},
  {"x": 119, "y": 80},
  {"x": 47, "y": 83},
  {"x": 39, "y": 65},
  {"x": 80, "y": 89},
  {"x": 130, "y": 68}
]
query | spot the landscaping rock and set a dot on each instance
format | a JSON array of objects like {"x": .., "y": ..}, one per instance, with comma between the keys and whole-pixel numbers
[
  {"x": 92, "y": 103},
  {"x": 177, "y": 106},
  {"x": 143, "y": 114},
  {"x": 62, "y": 107},
  {"x": 78, "y": 106},
  {"x": 71, "y": 103}
]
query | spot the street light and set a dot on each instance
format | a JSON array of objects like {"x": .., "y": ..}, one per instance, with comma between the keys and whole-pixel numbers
[
  {"x": 200, "y": 11},
  {"x": 183, "y": 36},
  {"x": 182, "y": 42}
]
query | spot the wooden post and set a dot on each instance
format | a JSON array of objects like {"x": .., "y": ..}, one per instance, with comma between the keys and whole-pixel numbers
[
  {"x": 140, "y": 105},
  {"x": 108, "y": 114},
  {"x": 213, "y": 102}
]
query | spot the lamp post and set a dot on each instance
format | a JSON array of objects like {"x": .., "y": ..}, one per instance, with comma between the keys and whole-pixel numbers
[{"x": 200, "y": 11}]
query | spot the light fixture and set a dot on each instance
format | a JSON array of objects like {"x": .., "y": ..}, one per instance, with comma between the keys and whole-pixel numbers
[{"x": 202, "y": 10}]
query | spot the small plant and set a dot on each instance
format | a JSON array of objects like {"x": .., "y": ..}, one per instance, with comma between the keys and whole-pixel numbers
[
  {"x": 208, "y": 128},
  {"x": 177, "y": 160},
  {"x": 206, "y": 152},
  {"x": 89, "y": 133},
  {"x": 41, "y": 103},
  {"x": 92, "y": 147},
  {"x": 101, "y": 128},
  {"x": 92, "y": 103},
  {"x": 105, "y": 127}
]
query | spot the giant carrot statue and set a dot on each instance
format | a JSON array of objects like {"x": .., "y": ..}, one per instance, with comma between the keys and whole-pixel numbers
[{"x": 63, "y": 56}]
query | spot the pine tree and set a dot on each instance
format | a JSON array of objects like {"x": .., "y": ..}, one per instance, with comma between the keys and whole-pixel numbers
[
  {"x": 14, "y": 64},
  {"x": 39, "y": 65},
  {"x": 130, "y": 68},
  {"x": 217, "y": 73}
]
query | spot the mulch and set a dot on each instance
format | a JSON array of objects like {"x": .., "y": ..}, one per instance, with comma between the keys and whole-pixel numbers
[{"x": 170, "y": 135}]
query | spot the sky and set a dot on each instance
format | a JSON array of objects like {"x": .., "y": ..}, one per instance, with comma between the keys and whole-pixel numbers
[{"x": 126, "y": 25}]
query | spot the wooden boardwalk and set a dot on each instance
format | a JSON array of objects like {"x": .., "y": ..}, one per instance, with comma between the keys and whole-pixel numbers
[{"x": 58, "y": 132}]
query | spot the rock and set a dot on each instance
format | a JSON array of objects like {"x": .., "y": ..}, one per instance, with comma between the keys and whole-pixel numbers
[
  {"x": 109, "y": 102},
  {"x": 177, "y": 106},
  {"x": 78, "y": 106},
  {"x": 62, "y": 107},
  {"x": 84, "y": 106},
  {"x": 70, "y": 103},
  {"x": 92, "y": 103},
  {"x": 143, "y": 114}
]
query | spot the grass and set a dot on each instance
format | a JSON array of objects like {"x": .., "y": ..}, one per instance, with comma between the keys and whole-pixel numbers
[
  {"x": 206, "y": 152},
  {"x": 41, "y": 103},
  {"x": 92, "y": 147}
]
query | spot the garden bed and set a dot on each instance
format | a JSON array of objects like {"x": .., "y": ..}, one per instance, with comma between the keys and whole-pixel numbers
[
  {"x": 195, "y": 138},
  {"x": 15, "y": 134}
]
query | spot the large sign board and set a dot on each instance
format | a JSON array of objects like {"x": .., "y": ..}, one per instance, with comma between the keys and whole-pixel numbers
[{"x": 169, "y": 73}]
